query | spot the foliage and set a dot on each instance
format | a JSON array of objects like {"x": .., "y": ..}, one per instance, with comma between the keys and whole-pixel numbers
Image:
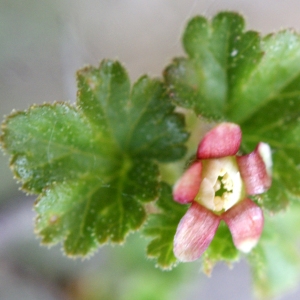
[{"x": 96, "y": 165}]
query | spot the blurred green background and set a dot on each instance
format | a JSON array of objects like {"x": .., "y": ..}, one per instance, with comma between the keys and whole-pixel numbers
[{"x": 43, "y": 43}]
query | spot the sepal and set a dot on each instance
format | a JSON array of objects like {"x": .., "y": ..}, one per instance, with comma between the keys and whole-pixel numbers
[
  {"x": 255, "y": 169},
  {"x": 223, "y": 140},
  {"x": 195, "y": 232},
  {"x": 245, "y": 221},
  {"x": 187, "y": 187}
]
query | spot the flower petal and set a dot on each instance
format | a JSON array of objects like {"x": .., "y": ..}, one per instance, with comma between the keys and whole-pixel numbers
[
  {"x": 222, "y": 140},
  {"x": 255, "y": 169},
  {"x": 245, "y": 221},
  {"x": 187, "y": 187},
  {"x": 195, "y": 232}
]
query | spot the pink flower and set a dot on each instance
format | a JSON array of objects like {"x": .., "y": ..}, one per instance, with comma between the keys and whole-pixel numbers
[{"x": 217, "y": 185}]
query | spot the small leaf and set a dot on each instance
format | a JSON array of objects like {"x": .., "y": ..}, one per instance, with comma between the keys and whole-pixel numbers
[
  {"x": 275, "y": 262},
  {"x": 162, "y": 227},
  {"x": 95, "y": 164},
  {"x": 220, "y": 249},
  {"x": 220, "y": 55},
  {"x": 284, "y": 140}
]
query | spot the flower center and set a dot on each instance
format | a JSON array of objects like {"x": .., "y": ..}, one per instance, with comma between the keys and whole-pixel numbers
[{"x": 221, "y": 186}]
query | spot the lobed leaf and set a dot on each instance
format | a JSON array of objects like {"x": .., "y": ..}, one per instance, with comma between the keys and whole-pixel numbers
[
  {"x": 284, "y": 140},
  {"x": 95, "y": 164},
  {"x": 275, "y": 262},
  {"x": 88, "y": 212},
  {"x": 53, "y": 143},
  {"x": 220, "y": 54},
  {"x": 220, "y": 249},
  {"x": 138, "y": 121},
  {"x": 162, "y": 228}
]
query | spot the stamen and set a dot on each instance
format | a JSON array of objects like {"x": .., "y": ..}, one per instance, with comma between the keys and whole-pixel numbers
[
  {"x": 226, "y": 197},
  {"x": 217, "y": 185},
  {"x": 227, "y": 182},
  {"x": 218, "y": 202},
  {"x": 222, "y": 172}
]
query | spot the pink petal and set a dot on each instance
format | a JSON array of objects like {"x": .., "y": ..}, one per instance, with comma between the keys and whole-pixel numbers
[
  {"x": 255, "y": 169},
  {"x": 195, "y": 232},
  {"x": 222, "y": 140},
  {"x": 245, "y": 221},
  {"x": 187, "y": 187}
]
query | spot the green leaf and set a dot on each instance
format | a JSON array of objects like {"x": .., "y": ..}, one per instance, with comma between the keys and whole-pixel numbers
[
  {"x": 95, "y": 164},
  {"x": 138, "y": 121},
  {"x": 162, "y": 228},
  {"x": 275, "y": 262},
  {"x": 87, "y": 211},
  {"x": 231, "y": 73},
  {"x": 274, "y": 99},
  {"x": 220, "y": 249},
  {"x": 284, "y": 140},
  {"x": 53, "y": 143},
  {"x": 220, "y": 54},
  {"x": 236, "y": 75},
  {"x": 274, "y": 77}
]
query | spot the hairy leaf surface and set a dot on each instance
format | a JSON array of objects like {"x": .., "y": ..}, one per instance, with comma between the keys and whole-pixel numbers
[{"x": 95, "y": 164}]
